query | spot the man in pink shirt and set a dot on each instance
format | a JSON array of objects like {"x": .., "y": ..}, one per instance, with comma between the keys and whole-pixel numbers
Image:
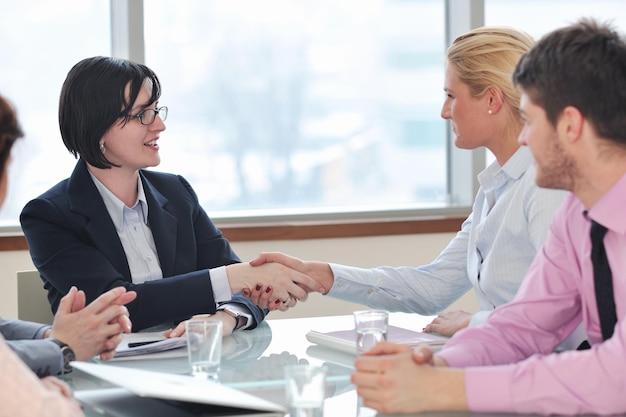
[{"x": 573, "y": 85}]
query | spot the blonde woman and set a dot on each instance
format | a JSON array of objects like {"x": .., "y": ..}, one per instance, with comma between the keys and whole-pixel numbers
[{"x": 510, "y": 217}]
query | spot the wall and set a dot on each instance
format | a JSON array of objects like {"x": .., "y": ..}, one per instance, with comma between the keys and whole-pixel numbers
[
  {"x": 10, "y": 263},
  {"x": 363, "y": 252}
]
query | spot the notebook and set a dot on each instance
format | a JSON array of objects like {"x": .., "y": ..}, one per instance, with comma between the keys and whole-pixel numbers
[
  {"x": 345, "y": 340},
  {"x": 177, "y": 388}
]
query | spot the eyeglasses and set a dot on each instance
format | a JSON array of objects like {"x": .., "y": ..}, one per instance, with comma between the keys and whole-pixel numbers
[{"x": 147, "y": 116}]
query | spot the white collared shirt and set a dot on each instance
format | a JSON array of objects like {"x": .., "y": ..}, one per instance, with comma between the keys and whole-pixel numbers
[{"x": 131, "y": 224}]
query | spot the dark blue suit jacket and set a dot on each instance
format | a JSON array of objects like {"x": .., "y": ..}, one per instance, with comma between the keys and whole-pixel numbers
[{"x": 72, "y": 241}]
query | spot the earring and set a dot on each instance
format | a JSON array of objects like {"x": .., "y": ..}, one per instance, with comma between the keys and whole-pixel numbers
[
  {"x": 489, "y": 111},
  {"x": 102, "y": 149}
]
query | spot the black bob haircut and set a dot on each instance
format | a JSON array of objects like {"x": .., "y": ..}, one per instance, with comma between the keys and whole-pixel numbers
[{"x": 96, "y": 94}]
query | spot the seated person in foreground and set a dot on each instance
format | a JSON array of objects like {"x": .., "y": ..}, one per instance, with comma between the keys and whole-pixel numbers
[{"x": 79, "y": 332}]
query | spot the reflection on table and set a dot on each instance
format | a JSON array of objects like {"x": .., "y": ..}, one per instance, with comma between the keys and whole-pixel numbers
[{"x": 253, "y": 361}]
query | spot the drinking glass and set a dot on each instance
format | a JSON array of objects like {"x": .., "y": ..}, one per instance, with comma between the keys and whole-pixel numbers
[
  {"x": 204, "y": 346},
  {"x": 305, "y": 390},
  {"x": 370, "y": 327}
]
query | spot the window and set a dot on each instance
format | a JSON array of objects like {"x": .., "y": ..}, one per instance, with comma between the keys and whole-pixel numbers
[
  {"x": 538, "y": 17},
  {"x": 41, "y": 40},
  {"x": 302, "y": 106},
  {"x": 324, "y": 107},
  {"x": 277, "y": 106}
]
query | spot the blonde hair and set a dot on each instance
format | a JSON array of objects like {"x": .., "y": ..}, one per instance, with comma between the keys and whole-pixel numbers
[{"x": 486, "y": 57}]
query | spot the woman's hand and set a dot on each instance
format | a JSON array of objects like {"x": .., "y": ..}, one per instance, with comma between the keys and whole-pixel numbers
[
  {"x": 320, "y": 272},
  {"x": 285, "y": 283},
  {"x": 447, "y": 324},
  {"x": 262, "y": 297},
  {"x": 228, "y": 324},
  {"x": 263, "y": 294}
]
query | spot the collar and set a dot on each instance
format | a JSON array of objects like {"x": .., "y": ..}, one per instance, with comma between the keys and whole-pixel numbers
[
  {"x": 116, "y": 207},
  {"x": 495, "y": 175},
  {"x": 609, "y": 209}
]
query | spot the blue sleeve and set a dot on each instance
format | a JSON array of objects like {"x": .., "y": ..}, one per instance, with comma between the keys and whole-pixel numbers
[{"x": 42, "y": 356}]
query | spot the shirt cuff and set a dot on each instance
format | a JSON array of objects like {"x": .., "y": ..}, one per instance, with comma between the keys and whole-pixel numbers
[
  {"x": 220, "y": 285},
  {"x": 41, "y": 332},
  {"x": 241, "y": 309},
  {"x": 55, "y": 358}
]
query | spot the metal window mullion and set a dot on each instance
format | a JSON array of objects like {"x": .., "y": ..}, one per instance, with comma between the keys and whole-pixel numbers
[
  {"x": 462, "y": 16},
  {"x": 127, "y": 37}
]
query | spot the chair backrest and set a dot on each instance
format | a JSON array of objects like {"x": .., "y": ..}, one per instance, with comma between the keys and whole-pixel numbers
[{"x": 32, "y": 298}]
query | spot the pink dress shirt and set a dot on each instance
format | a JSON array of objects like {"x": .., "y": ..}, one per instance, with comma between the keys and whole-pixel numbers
[
  {"x": 508, "y": 362},
  {"x": 23, "y": 395}
]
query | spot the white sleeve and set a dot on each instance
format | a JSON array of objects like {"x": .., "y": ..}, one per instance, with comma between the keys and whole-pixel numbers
[{"x": 220, "y": 284}]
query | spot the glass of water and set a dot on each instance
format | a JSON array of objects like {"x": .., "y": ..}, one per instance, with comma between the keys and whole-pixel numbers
[
  {"x": 204, "y": 346},
  {"x": 371, "y": 328},
  {"x": 305, "y": 390}
]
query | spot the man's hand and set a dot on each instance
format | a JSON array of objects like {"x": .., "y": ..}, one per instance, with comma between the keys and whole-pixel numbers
[
  {"x": 95, "y": 329},
  {"x": 447, "y": 324},
  {"x": 390, "y": 381}
]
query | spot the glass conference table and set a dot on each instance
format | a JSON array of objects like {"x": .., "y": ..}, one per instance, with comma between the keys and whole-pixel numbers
[{"x": 253, "y": 361}]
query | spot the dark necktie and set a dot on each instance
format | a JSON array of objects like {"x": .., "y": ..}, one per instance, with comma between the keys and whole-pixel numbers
[{"x": 603, "y": 281}]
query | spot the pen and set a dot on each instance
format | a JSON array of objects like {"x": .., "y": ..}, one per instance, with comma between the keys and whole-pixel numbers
[{"x": 137, "y": 344}]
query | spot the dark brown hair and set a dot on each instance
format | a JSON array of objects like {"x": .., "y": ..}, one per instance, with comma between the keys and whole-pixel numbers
[
  {"x": 94, "y": 98},
  {"x": 10, "y": 131},
  {"x": 581, "y": 65}
]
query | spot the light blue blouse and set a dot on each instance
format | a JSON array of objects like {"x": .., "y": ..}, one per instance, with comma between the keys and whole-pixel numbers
[{"x": 491, "y": 253}]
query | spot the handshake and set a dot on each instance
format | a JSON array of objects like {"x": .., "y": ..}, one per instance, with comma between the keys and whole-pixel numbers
[{"x": 277, "y": 281}]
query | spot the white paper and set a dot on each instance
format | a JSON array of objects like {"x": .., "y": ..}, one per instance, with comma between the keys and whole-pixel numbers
[{"x": 163, "y": 345}]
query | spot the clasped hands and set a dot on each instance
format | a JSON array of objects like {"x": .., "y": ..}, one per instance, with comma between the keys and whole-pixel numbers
[
  {"x": 278, "y": 281},
  {"x": 393, "y": 378},
  {"x": 94, "y": 329}
]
